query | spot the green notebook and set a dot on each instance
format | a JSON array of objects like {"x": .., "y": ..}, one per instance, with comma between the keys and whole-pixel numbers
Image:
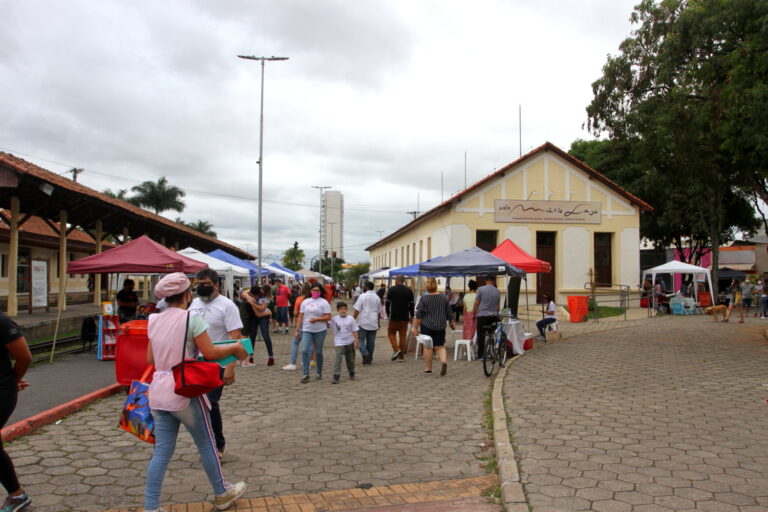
[{"x": 245, "y": 342}]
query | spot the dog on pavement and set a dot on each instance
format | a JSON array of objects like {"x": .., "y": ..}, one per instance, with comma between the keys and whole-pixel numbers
[{"x": 716, "y": 311}]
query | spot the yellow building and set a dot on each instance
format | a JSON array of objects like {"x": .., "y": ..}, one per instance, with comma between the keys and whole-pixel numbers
[{"x": 547, "y": 202}]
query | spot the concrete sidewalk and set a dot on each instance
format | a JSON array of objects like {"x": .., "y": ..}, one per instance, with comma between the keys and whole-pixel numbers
[{"x": 68, "y": 378}]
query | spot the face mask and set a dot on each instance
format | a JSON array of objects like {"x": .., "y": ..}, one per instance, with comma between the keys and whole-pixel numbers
[
  {"x": 315, "y": 294},
  {"x": 204, "y": 291}
]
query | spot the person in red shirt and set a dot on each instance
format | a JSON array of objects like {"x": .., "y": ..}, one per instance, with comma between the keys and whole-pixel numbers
[
  {"x": 282, "y": 303},
  {"x": 329, "y": 292}
]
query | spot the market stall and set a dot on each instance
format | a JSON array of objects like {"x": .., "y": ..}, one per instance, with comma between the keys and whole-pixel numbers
[
  {"x": 678, "y": 267},
  {"x": 228, "y": 271},
  {"x": 139, "y": 256}
]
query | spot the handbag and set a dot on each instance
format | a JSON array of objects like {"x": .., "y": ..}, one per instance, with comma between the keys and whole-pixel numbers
[
  {"x": 194, "y": 378},
  {"x": 136, "y": 417}
]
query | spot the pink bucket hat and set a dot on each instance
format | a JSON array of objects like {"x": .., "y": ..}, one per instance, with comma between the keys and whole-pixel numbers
[{"x": 171, "y": 284}]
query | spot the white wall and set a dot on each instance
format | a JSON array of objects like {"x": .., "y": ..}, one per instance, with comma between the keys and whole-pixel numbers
[
  {"x": 521, "y": 236},
  {"x": 575, "y": 263},
  {"x": 629, "y": 257}
]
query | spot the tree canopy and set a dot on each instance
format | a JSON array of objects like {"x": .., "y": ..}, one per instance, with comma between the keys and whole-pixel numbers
[
  {"x": 688, "y": 91},
  {"x": 159, "y": 196},
  {"x": 203, "y": 226},
  {"x": 293, "y": 258}
]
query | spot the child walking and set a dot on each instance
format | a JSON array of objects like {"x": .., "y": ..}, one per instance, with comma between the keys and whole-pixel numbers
[{"x": 345, "y": 341}]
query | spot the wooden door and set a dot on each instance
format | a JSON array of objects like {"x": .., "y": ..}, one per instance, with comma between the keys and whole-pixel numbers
[
  {"x": 603, "y": 262},
  {"x": 545, "y": 251}
]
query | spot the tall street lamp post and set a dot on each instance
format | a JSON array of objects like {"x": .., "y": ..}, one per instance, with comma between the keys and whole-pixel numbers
[
  {"x": 320, "y": 235},
  {"x": 261, "y": 141},
  {"x": 333, "y": 252}
]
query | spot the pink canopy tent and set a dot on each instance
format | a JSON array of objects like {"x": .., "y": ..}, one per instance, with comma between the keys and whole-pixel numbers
[
  {"x": 514, "y": 255},
  {"x": 139, "y": 256}
]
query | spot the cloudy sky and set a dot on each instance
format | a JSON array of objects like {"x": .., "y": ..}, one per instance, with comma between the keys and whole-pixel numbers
[{"x": 379, "y": 98}]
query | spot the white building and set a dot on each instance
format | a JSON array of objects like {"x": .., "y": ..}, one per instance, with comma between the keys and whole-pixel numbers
[{"x": 332, "y": 223}]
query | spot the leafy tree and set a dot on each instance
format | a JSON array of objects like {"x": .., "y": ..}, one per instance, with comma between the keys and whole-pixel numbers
[
  {"x": 677, "y": 219},
  {"x": 293, "y": 258},
  {"x": 351, "y": 275},
  {"x": 671, "y": 91},
  {"x": 159, "y": 196},
  {"x": 327, "y": 262}
]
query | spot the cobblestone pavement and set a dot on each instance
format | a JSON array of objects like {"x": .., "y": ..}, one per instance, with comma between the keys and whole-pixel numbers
[
  {"x": 393, "y": 425},
  {"x": 664, "y": 415}
]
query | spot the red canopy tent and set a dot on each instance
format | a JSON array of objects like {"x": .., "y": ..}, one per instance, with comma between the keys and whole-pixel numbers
[
  {"x": 517, "y": 257},
  {"x": 139, "y": 256}
]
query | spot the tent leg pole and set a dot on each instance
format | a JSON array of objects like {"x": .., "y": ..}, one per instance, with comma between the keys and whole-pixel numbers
[{"x": 58, "y": 320}]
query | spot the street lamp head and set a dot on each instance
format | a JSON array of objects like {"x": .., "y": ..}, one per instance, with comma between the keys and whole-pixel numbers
[{"x": 253, "y": 57}]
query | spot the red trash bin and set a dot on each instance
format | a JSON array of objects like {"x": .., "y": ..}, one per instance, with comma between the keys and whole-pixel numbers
[
  {"x": 131, "y": 357},
  {"x": 578, "y": 307}
]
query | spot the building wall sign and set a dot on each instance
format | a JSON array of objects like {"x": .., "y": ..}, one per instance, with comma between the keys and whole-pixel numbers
[{"x": 549, "y": 212}]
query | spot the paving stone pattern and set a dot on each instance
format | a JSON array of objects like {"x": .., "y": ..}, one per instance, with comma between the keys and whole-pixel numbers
[
  {"x": 393, "y": 425},
  {"x": 667, "y": 415}
]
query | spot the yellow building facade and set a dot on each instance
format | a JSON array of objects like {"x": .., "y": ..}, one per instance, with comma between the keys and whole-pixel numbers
[{"x": 552, "y": 206}]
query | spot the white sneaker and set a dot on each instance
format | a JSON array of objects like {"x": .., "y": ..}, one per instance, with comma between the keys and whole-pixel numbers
[
  {"x": 247, "y": 363},
  {"x": 289, "y": 367},
  {"x": 234, "y": 492}
]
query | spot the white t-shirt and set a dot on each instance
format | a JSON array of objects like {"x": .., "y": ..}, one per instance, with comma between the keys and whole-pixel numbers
[
  {"x": 314, "y": 308},
  {"x": 551, "y": 307},
  {"x": 343, "y": 330},
  {"x": 368, "y": 305},
  {"x": 221, "y": 315}
]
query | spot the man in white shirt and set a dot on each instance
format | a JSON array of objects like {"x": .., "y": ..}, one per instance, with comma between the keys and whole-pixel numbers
[
  {"x": 368, "y": 315},
  {"x": 550, "y": 317},
  {"x": 224, "y": 323}
]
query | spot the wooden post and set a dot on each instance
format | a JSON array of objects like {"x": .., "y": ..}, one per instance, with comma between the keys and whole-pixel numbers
[
  {"x": 63, "y": 260},
  {"x": 97, "y": 277},
  {"x": 13, "y": 260}
]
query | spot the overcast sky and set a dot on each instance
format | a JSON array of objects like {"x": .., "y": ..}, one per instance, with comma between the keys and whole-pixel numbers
[{"x": 377, "y": 100}]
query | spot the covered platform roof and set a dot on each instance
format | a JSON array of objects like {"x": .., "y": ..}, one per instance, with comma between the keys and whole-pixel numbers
[{"x": 45, "y": 194}]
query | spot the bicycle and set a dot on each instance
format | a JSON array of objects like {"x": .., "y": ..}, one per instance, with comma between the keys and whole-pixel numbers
[{"x": 495, "y": 348}]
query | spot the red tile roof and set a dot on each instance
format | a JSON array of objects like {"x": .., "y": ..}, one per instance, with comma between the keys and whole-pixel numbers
[{"x": 129, "y": 211}]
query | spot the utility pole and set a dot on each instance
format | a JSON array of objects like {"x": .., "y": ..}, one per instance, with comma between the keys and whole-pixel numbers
[
  {"x": 333, "y": 252},
  {"x": 320, "y": 233},
  {"x": 261, "y": 140}
]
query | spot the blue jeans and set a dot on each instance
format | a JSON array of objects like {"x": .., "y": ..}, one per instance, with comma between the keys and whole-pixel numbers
[
  {"x": 764, "y": 303},
  {"x": 197, "y": 422},
  {"x": 367, "y": 341},
  {"x": 295, "y": 348},
  {"x": 543, "y": 323},
  {"x": 261, "y": 323},
  {"x": 308, "y": 340}
]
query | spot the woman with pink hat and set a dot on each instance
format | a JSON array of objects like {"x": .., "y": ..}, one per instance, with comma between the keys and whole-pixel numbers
[{"x": 169, "y": 410}]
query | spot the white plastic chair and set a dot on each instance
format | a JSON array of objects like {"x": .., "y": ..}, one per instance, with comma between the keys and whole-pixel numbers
[
  {"x": 553, "y": 326},
  {"x": 422, "y": 340},
  {"x": 468, "y": 347}
]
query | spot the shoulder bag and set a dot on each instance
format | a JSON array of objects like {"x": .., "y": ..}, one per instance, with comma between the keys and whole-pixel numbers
[{"x": 194, "y": 378}]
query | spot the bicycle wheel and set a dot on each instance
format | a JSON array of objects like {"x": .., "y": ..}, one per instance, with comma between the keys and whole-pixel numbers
[
  {"x": 502, "y": 356},
  {"x": 489, "y": 356}
]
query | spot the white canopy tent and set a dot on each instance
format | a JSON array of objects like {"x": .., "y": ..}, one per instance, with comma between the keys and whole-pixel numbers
[
  {"x": 282, "y": 274},
  {"x": 227, "y": 270},
  {"x": 678, "y": 267}
]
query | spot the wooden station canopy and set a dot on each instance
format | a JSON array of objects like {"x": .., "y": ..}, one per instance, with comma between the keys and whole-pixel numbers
[{"x": 29, "y": 190}]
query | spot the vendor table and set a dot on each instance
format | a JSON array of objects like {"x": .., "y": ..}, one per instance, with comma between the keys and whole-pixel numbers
[{"x": 513, "y": 329}]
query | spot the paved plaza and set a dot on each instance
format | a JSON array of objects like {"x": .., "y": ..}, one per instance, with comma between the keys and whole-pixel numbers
[
  {"x": 663, "y": 414},
  {"x": 394, "y": 425}
]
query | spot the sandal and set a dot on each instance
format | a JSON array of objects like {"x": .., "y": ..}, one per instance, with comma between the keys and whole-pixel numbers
[{"x": 428, "y": 371}]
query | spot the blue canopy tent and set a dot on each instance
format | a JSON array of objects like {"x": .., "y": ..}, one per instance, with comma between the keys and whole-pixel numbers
[
  {"x": 296, "y": 275},
  {"x": 475, "y": 261},
  {"x": 225, "y": 256}
]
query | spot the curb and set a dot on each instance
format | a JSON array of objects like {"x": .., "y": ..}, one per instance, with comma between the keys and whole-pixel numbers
[
  {"x": 26, "y": 426},
  {"x": 512, "y": 495}
]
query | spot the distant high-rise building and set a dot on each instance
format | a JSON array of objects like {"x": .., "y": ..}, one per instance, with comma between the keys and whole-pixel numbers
[{"x": 332, "y": 222}]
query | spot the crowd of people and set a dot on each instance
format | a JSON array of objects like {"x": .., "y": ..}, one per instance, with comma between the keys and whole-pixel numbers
[{"x": 191, "y": 319}]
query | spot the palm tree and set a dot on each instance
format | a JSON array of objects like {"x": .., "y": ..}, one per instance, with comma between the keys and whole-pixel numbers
[
  {"x": 159, "y": 196},
  {"x": 293, "y": 258},
  {"x": 202, "y": 226},
  {"x": 121, "y": 195}
]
